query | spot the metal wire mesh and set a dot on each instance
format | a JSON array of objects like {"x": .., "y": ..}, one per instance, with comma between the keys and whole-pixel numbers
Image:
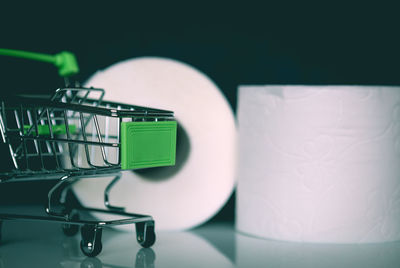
[{"x": 66, "y": 132}]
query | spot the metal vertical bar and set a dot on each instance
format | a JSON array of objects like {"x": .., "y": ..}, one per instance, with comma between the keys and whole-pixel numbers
[
  {"x": 35, "y": 119},
  {"x": 119, "y": 141},
  {"x": 103, "y": 154},
  {"x": 22, "y": 136},
  {"x": 43, "y": 123},
  {"x": 52, "y": 136},
  {"x": 107, "y": 193},
  {"x": 106, "y": 130},
  {"x": 2, "y": 129},
  {"x": 31, "y": 125},
  {"x": 4, "y": 117},
  {"x": 85, "y": 139}
]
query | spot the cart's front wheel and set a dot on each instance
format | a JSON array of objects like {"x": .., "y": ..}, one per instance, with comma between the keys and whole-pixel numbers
[
  {"x": 145, "y": 234},
  {"x": 91, "y": 240}
]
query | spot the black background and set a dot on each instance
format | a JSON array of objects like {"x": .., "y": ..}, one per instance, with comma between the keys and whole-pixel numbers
[{"x": 232, "y": 42}]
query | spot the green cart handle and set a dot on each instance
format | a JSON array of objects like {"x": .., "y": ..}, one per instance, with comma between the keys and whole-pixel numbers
[{"x": 65, "y": 61}]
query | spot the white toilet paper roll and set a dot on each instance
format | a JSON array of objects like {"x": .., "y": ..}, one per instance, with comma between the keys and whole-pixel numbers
[
  {"x": 319, "y": 164},
  {"x": 197, "y": 187}
]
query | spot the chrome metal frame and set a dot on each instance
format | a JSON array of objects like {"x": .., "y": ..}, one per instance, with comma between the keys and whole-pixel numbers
[{"x": 21, "y": 122}]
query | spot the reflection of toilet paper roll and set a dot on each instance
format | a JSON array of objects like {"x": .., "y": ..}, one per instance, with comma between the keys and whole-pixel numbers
[
  {"x": 196, "y": 188},
  {"x": 319, "y": 164},
  {"x": 253, "y": 252}
]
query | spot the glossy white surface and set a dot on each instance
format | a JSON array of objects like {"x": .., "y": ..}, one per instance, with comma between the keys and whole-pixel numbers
[{"x": 34, "y": 244}]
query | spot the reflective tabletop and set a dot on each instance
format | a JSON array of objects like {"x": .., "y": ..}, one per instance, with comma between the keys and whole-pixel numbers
[{"x": 38, "y": 244}]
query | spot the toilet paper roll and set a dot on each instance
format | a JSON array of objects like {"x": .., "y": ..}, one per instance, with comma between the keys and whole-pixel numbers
[
  {"x": 202, "y": 180},
  {"x": 319, "y": 164}
]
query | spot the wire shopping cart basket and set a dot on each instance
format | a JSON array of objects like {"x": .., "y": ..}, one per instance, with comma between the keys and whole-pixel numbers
[{"x": 75, "y": 134}]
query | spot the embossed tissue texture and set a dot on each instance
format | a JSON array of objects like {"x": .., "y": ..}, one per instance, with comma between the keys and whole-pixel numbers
[{"x": 319, "y": 163}]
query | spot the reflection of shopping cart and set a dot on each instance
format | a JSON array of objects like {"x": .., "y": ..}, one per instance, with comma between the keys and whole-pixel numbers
[{"x": 75, "y": 135}]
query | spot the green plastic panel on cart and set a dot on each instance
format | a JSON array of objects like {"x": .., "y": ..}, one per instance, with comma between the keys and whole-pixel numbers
[
  {"x": 45, "y": 131},
  {"x": 148, "y": 144}
]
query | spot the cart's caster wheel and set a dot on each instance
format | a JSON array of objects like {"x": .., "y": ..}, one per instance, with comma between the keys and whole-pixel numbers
[
  {"x": 71, "y": 229},
  {"x": 91, "y": 240},
  {"x": 145, "y": 234}
]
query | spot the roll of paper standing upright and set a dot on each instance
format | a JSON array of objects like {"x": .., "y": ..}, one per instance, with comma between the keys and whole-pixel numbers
[
  {"x": 319, "y": 163},
  {"x": 202, "y": 180}
]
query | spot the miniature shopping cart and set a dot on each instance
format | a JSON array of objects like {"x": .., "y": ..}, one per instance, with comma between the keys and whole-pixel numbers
[{"x": 75, "y": 134}]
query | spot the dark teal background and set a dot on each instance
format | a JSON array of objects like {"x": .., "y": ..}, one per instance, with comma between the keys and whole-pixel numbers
[{"x": 325, "y": 42}]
